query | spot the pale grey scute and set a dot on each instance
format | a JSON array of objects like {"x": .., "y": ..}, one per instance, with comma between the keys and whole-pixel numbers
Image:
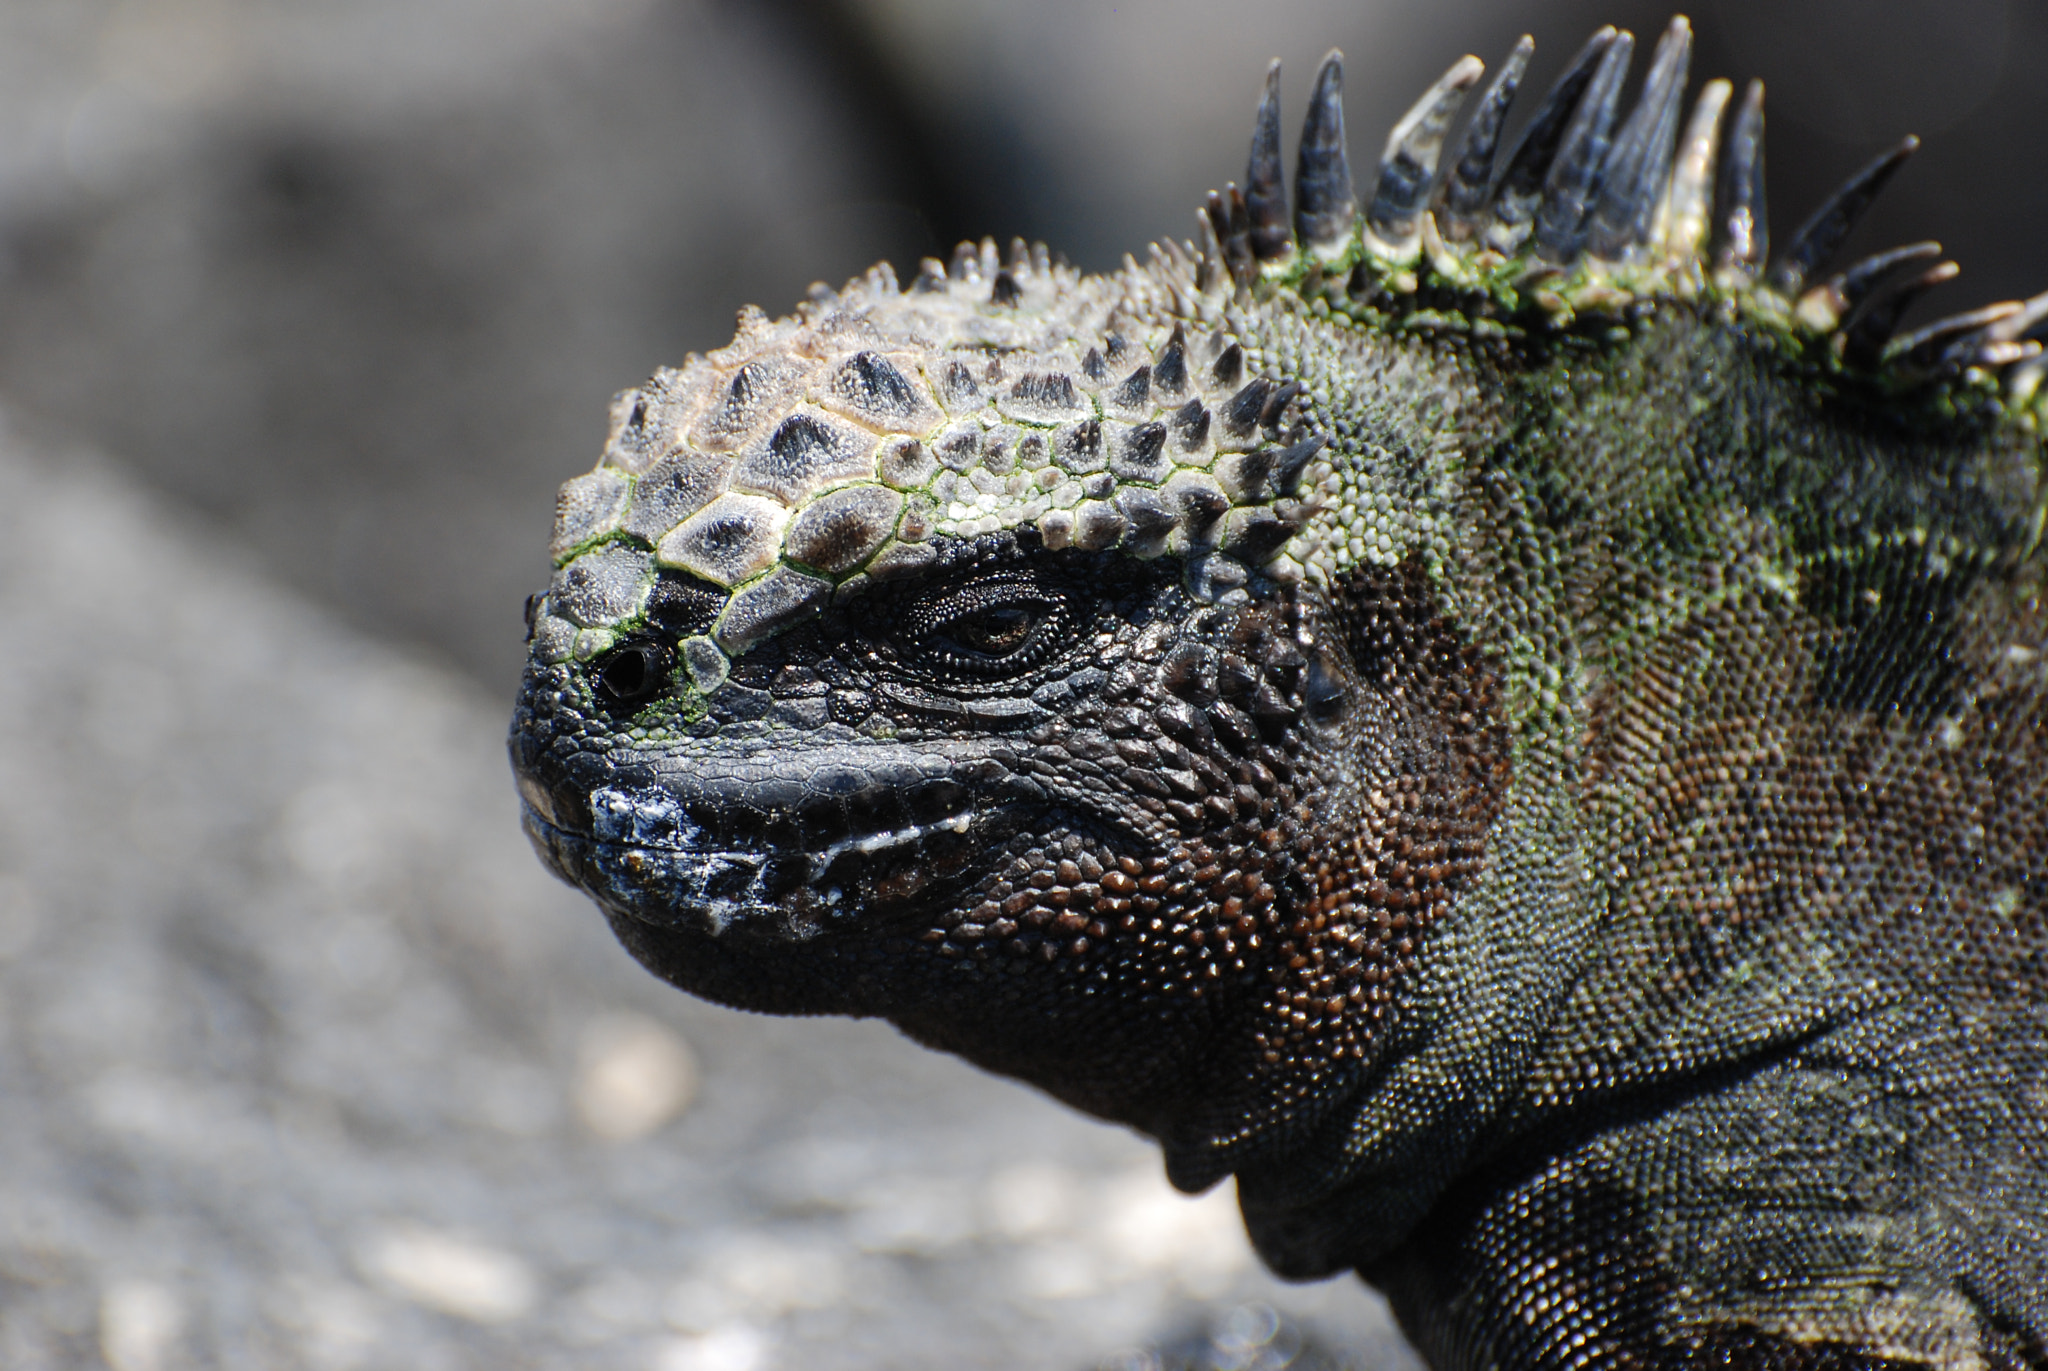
[
  {"x": 643, "y": 421},
  {"x": 1056, "y": 528},
  {"x": 1254, "y": 529},
  {"x": 959, "y": 392},
  {"x": 1077, "y": 447},
  {"x": 842, "y": 528},
  {"x": 754, "y": 394},
  {"x": 781, "y": 598},
  {"x": 706, "y": 665},
  {"x": 874, "y": 390},
  {"x": 803, "y": 454},
  {"x": 901, "y": 559},
  {"x": 1242, "y": 475},
  {"x": 554, "y": 639},
  {"x": 1198, "y": 501},
  {"x": 1139, "y": 452},
  {"x": 905, "y": 463},
  {"x": 587, "y": 507},
  {"x": 1098, "y": 524},
  {"x": 733, "y": 538},
  {"x": 1041, "y": 397},
  {"x": 673, "y": 489},
  {"x": 1150, "y": 520},
  {"x": 959, "y": 447},
  {"x": 603, "y": 586},
  {"x": 1008, "y": 447}
]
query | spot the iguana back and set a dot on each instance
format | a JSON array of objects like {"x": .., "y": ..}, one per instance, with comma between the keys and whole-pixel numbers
[{"x": 1499, "y": 720}]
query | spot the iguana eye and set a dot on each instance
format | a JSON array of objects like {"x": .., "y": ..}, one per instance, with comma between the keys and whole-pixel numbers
[
  {"x": 632, "y": 673},
  {"x": 995, "y": 632},
  {"x": 991, "y": 630}
]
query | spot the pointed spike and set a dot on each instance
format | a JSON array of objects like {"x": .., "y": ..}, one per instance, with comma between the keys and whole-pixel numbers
[
  {"x": 1657, "y": 175},
  {"x": 1632, "y": 181},
  {"x": 966, "y": 262},
  {"x": 1949, "y": 340},
  {"x": 1682, "y": 230},
  {"x": 1462, "y": 197},
  {"x": 1265, "y": 195},
  {"x": 1394, "y": 222},
  {"x": 1521, "y": 186},
  {"x": 1135, "y": 391},
  {"x": 1574, "y": 176},
  {"x": 1290, "y": 462},
  {"x": 931, "y": 276},
  {"x": 1278, "y": 401},
  {"x": 1745, "y": 231},
  {"x": 1234, "y": 227},
  {"x": 1241, "y": 411},
  {"x": 1820, "y": 236},
  {"x": 1191, "y": 422},
  {"x": 1217, "y": 211},
  {"x": 1324, "y": 204},
  {"x": 2032, "y": 312},
  {"x": 1170, "y": 371},
  {"x": 1229, "y": 366},
  {"x": 1238, "y": 246},
  {"x": 1210, "y": 269},
  {"x": 1833, "y": 300},
  {"x": 1864, "y": 342}
]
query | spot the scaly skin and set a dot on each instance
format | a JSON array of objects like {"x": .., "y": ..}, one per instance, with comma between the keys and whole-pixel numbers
[{"x": 1533, "y": 760}]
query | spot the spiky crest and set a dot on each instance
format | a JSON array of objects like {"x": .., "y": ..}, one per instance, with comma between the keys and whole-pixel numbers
[{"x": 1592, "y": 213}]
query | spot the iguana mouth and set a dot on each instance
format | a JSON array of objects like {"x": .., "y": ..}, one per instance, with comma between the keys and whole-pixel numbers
[{"x": 644, "y": 849}]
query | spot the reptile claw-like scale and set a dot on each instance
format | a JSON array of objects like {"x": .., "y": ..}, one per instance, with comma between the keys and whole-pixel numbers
[{"x": 1478, "y": 703}]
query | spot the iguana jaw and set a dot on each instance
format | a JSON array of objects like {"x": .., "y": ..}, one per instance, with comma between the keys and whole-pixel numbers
[{"x": 765, "y": 847}]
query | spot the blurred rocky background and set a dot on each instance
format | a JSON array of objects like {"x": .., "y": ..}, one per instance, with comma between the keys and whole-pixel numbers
[{"x": 305, "y": 308}]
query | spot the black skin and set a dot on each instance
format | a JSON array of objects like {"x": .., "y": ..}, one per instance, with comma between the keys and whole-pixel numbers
[{"x": 1105, "y": 801}]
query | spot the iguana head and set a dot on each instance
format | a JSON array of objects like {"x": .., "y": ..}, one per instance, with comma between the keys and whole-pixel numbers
[
  {"x": 926, "y": 656},
  {"x": 1067, "y": 667}
]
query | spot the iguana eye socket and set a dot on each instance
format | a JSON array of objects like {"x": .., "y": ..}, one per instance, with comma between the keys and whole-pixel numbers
[{"x": 632, "y": 673}]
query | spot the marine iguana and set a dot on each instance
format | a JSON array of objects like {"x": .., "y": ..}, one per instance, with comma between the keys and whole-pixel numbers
[{"x": 1508, "y": 721}]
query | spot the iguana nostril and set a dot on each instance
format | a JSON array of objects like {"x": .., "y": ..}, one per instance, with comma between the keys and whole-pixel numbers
[{"x": 634, "y": 672}]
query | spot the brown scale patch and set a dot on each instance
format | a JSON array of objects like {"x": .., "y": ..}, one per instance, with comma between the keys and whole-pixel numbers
[
  {"x": 1289, "y": 724},
  {"x": 1432, "y": 769}
]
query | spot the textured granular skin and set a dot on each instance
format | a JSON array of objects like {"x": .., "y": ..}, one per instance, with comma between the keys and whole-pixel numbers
[{"x": 1496, "y": 721}]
